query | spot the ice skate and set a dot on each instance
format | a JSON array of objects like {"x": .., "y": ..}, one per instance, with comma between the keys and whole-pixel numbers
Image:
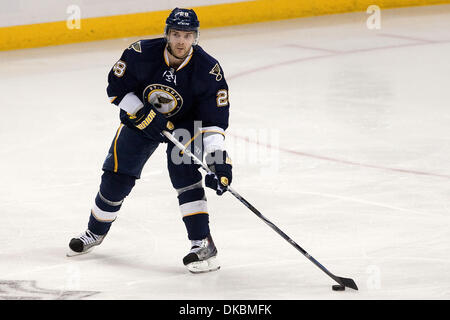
[
  {"x": 84, "y": 243},
  {"x": 202, "y": 257}
]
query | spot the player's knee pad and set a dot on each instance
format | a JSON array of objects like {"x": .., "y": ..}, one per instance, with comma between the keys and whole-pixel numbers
[
  {"x": 113, "y": 190},
  {"x": 116, "y": 186}
]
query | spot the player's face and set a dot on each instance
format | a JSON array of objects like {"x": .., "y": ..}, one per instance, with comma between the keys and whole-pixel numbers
[{"x": 180, "y": 42}]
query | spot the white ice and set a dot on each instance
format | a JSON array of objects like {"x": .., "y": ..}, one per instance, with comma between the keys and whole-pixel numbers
[{"x": 339, "y": 134}]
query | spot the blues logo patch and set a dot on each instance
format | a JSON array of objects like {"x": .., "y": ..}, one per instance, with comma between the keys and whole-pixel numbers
[{"x": 164, "y": 98}]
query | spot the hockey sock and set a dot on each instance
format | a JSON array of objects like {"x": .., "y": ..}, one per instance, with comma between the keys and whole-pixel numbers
[
  {"x": 197, "y": 226},
  {"x": 113, "y": 190},
  {"x": 193, "y": 207}
]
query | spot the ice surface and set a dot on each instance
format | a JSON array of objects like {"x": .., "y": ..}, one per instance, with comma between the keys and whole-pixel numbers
[{"x": 340, "y": 135}]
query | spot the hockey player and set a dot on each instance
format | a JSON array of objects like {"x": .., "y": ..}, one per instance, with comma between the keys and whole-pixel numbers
[{"x": 165, "y": 84}]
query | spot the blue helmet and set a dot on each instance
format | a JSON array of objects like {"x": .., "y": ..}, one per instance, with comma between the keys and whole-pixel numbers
[{"x": 182, "y": 19}]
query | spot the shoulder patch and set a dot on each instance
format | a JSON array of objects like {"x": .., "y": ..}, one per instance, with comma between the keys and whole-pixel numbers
[
  {"x": 216, "y": 71},
  {"x": 136, "y": 46}
]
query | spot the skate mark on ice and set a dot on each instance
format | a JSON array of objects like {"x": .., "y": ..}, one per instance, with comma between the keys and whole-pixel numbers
[
  {"x": 348, "y": 162},
  {"x": 28, "y": 290}
]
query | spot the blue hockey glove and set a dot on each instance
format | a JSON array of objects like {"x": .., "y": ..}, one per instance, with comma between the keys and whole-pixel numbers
[
  {"x": 219, "y": 163},
  {"x": 151, "y": 122}
]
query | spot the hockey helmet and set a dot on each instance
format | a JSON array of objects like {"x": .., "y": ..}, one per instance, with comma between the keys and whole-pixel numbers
[{"x": 184, "y": 20}]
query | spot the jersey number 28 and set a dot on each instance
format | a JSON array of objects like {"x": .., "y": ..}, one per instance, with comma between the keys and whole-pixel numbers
[
  {"x": 119, "y": 68},
  {"x": 222, "y": 98}
]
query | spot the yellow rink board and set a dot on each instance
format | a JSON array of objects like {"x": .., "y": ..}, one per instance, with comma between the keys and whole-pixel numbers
[{"x": 148, "y": 23}]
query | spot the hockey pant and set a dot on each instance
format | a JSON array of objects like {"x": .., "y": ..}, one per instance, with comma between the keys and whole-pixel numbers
[{"x": 128, "y": 153}]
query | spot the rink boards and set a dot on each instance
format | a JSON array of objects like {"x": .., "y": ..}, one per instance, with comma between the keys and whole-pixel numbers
[{"x": 74, "y": 28}]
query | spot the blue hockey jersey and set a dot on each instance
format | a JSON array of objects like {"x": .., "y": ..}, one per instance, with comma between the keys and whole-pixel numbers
[{"x": 196, "y": 90}]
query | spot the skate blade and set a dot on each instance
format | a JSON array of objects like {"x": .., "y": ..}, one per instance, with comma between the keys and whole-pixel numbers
[
  {"x": 71, "y": 253},
  {"x": 211, "y": 264}
]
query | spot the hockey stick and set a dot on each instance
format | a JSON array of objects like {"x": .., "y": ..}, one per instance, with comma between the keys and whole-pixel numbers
[{"x": 343, "y": 282}]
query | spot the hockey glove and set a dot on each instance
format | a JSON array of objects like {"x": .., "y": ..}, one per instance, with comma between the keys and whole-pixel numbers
[
  {"x": 219, "y": 163},
  {"x": 151, "y": 122}
]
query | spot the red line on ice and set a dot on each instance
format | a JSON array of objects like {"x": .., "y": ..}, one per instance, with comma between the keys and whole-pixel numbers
[
  {"x": 334, "y": 53},
  {"x": 353, "y": 163}
]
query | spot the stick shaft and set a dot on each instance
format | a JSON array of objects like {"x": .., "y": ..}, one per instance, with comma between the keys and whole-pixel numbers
[{"x": 256, "y": 211}]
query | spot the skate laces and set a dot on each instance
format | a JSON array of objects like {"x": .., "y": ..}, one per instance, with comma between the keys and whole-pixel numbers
[
  {"x": 88, "y": 237},
  {"x": 198, "y": 244}
]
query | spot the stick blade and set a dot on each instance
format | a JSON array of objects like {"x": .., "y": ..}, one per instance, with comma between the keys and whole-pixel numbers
[{"x": 347, "y": 282}]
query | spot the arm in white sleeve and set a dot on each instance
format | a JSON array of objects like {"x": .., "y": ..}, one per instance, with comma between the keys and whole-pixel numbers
[
  {"x": 213, "y": 139},
  {"x": 131, "y": 103}
]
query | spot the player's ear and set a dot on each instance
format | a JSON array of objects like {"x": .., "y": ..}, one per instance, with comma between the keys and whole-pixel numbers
[{"x": 166, "y": 33}]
